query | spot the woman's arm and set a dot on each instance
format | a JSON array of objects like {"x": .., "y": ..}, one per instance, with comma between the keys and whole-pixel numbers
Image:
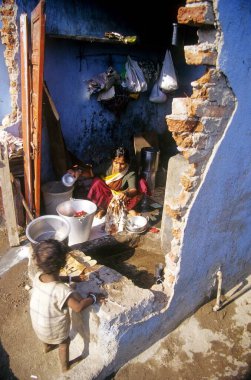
[
  {"x": 131, "y": 190},
  {"x": 81, "y": 171}
]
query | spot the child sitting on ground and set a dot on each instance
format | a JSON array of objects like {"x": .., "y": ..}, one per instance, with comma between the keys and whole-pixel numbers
[{"x": 51, "y": 300}]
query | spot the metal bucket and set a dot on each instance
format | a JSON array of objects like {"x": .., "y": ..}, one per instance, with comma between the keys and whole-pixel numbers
[
  {"x": 150, "y": 178},
  {"x": 80, "y": 226},
  {"x": 48, "y": 227},
  {"x": 149, "y": 159},
  {"x": 55, "y": 193}
]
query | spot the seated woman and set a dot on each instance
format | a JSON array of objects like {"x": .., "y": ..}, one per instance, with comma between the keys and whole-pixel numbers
[{"x": 113, "y": 176}]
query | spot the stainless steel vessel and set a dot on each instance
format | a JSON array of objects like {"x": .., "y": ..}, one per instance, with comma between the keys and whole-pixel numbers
[{"x": 149, "y": 165}]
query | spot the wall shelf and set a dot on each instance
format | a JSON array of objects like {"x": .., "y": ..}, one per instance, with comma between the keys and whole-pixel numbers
[{"x": 91, "y": 39}]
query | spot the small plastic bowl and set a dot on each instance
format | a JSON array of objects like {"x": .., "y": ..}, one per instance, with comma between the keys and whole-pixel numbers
[
  {"x": 137, "y": 224},
  {"x": 68, "y": 180}
]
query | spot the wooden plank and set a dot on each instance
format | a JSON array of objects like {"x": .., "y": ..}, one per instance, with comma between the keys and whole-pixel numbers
[
  {"x": 26, "y": 119},
  {"x": 37, "y": 62},
  {"x": 16, "y": 184},
  {"x": 50, "y": 101},
  {"x": 8, "y": 198},
  {"x": 58, "y": 151}
]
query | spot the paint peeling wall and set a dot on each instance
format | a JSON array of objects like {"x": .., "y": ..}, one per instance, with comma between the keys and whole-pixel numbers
[{"x": 218, "y": 228}]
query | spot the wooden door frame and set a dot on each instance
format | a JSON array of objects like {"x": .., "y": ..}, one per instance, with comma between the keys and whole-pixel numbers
[{"x": 37, "y": 64}]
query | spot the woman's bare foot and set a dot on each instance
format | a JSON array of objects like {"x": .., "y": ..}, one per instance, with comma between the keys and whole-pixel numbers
[{"x": 100, "y": 213}]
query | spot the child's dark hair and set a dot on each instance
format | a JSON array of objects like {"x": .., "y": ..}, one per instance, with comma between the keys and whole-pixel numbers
[{"x": 50, "y": 255}]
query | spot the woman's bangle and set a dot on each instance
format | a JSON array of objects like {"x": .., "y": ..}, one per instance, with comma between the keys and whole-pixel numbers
[{"x": 93, "y": 297}]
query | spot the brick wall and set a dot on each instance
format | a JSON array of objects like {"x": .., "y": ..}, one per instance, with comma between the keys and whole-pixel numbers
[
  {"x": 9, "y": 38},
  {"x": 196, "y": 122}
]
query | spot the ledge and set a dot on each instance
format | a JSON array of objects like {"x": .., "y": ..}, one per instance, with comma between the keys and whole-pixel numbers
[{"x": 91, "y": 39}]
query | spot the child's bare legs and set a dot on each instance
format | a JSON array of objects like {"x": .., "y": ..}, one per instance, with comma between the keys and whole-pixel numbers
[
  {"x": 49, "y": 347},
  {"x": 63, "y": 352}
]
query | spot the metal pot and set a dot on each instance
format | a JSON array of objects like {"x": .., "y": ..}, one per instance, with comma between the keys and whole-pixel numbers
[
  {"x": 149, "y": 159},
  {"x": 137, "y": 224},
  {"x": 48, "y": 227}
]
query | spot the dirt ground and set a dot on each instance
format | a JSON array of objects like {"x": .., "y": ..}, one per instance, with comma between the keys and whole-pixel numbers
[{"x": 209, "y": 345}]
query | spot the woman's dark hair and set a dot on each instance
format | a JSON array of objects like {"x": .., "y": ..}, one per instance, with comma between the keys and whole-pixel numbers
[
  {"x": 121, "y": 152},
  {"x": 50, "y": 255}
]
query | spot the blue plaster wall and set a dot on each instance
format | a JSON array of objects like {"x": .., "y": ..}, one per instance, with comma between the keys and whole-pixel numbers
[
  {"x": 5, "y": 102},
  {"x": 218, "y": 230},
  {"x": 87, "y": 126},
  {"x": 89, "y": 129}
]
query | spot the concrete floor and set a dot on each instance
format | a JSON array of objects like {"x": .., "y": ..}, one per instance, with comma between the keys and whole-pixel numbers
[{"x": 207, "y": 346}]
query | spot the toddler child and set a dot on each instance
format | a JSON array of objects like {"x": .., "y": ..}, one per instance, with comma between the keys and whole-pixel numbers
[{"x": 51, "y": 300}]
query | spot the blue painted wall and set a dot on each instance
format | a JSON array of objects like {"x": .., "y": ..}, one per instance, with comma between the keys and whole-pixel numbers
[
  {"x": 87, "y": 126},
  {"x": 5, "y": 102},
  {"x": 89, "y": 129},
  {"x": 218, "y": 229}
]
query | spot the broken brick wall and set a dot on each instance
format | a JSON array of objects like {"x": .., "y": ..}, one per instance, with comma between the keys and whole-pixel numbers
[
  {"x": 197, "y": 123},
  {"x": 10, "y": 39}
]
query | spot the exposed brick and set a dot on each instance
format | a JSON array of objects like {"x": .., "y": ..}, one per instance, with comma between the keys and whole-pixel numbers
[
  {"x": 4, "y": 39},
  {"x": 179, "y": 106},
  {"x": 5, "y": 23},
  {"x": 176, "y": 214},
  {"x": 179, "y": 125},
  {"x": 169, "y": 278},
  {"x": 7, "y": 12},
  {"x": 196, "y": 156},
  {"x": 8, "y": 54},
  {"x": 183, "y": 200},
  {"x": 206, "y": 78},
  {"x": 176, "y": 232},
  {"x": 201, "y": 108},
  {"x": 192, "y": 106},
  {"x": 211, "y": 110},
  {"x": 9, "y": 37},
  {"x": 196, "y": 15},
  {"x": 196, "y": 56},
  {"x": 8, "y": 2},
  {"x": 199, "y": 93},
  {"x": 187, "y": 183},
  {"x": 194, "y": 170},
  {"x": 184, "y": 140},
  {"x": 222, "y": 95}
]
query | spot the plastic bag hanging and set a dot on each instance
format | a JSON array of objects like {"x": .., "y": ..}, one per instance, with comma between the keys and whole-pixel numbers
[
  {"x": 134, "y": 77},
  {"x": 168, "y": 80},
  {"x": 157, "y": 96}
]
